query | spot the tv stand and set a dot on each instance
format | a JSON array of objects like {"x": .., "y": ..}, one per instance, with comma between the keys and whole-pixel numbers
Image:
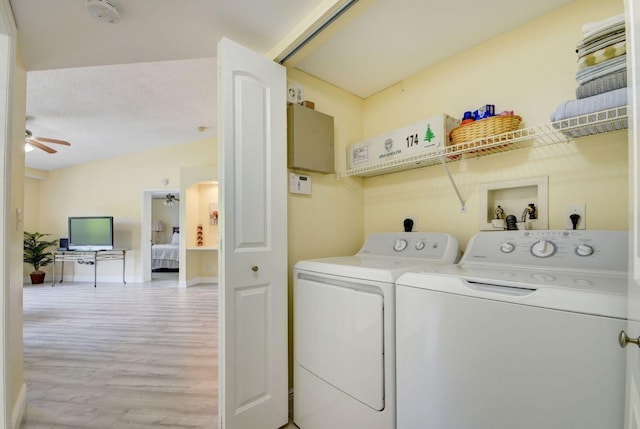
[{"x": 87, "y": 257}]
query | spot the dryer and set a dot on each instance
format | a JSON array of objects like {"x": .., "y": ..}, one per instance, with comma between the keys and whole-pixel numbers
[
  {"x": 344, "y": 329},
  {"x": 522, "y": 333}
]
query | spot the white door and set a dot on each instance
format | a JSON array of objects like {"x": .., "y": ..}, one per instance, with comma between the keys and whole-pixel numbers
[
  {"x": 633, "y": 325},
  {"x": 252, "y": 160}
]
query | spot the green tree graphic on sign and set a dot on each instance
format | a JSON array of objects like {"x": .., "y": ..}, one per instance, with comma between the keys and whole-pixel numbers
[{"x": 429, "y": 135}]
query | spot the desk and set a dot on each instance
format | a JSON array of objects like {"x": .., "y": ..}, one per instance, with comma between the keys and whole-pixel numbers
[{"x": 87, "y": 257}]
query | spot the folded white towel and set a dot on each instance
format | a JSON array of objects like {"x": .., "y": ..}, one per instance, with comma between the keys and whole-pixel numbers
[{"x": 591, "y": 28}]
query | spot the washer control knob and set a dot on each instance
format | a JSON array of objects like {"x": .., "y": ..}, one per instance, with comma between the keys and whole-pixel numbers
[
  {"x": 507, "y": 247},
  {"x": 400, "y": 245},
  {"x": 543, "y": 249},
  {"x": 545, "y": 278},
  {"x": 420, "y": 245},
  {"x": 584, "y": 250},
  {"x": 582, "y": 282}
]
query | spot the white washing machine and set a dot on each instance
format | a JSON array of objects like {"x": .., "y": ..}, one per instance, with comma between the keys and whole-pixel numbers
[
  {"x": 344, "y": 329},
  {"x": 522, "y": 333}
]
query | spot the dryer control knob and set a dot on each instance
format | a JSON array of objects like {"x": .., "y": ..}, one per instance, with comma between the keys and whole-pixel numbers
[
  {"x": 420, "y": 245},
  {"x": 543, "y": 249},
  {"x": 584, "y": 250},
  {"x": 507, "y": 247},
  {"x": 400, "y": 245}
]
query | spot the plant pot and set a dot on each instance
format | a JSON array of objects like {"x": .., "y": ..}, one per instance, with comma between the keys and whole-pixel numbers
[{"x": 37, "y": 278}]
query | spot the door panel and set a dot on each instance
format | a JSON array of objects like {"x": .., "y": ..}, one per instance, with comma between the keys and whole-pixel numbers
[
  {"x": 253, "y": 240},
  {"x": 251, "y": 150},
  {"x": 339, "y": 329}
]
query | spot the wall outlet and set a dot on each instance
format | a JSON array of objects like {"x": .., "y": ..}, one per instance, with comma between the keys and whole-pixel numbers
[
  {"x": 576, "y": 209},
  {"x": 414, "y": 218}
]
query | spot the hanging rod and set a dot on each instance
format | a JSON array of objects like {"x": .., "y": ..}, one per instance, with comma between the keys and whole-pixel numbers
[{"x": 324, "y": 24}]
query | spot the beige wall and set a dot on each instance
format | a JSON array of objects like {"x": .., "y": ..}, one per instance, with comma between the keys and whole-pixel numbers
[
  {"x": 202, "y": 264},
  {"x": 191, "y": 179},
  {"x": 112, "y": 187},
  {"x": 530, "y": 70},
  {"x": 329, "y": 222}
]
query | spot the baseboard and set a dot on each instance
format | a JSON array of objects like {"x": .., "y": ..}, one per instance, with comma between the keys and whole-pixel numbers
[
  {"x": 17, "y": 414},
  {"x": 198, "y": 281}
]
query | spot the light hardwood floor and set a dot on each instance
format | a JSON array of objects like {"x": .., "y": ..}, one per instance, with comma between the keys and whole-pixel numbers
[{"x": 121, "y": 356}]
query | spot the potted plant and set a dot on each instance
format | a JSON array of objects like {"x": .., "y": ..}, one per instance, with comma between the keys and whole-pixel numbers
[{"x": 37, "y": 254}]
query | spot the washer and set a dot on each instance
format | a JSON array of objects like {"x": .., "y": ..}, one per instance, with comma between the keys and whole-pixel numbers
[
  {"x": 344, "y": 329},
  {"x": 522, "y": 333}
]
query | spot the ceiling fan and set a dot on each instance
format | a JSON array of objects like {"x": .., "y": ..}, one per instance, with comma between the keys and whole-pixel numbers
[
  {"x": 170, "y": 200},
  {"x": 31, "y": 142}
]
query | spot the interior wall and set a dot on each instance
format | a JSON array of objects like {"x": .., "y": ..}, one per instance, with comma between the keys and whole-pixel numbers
[
  {"x": 191, "y": 178},
  {"x": 530, "y": 70},
  {"x": 112, "y": 187},
  {"x": 329, "y": 222},
  {"x": 31, "y": 212}
]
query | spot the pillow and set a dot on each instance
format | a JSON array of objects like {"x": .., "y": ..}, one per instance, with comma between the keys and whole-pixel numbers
[{"x": 175, "y": 239}]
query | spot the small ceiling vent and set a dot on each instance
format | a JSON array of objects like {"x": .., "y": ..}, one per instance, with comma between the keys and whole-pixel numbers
[{"x": 104, "y": 10}]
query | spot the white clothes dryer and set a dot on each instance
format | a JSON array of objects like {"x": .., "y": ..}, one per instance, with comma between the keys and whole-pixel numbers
[
  {"x": 522, "y": 333},
  {"x": 344, "y": 329}
]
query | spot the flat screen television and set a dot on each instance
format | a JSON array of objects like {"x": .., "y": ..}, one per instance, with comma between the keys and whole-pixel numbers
[{"x": 91, "y": 233}]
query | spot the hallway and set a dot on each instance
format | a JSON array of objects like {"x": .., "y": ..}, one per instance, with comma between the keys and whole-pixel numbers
[{"x": 141, "y": 355}]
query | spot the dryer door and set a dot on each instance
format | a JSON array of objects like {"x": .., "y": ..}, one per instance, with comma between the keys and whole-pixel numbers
[{"x": 339, "y": 337}]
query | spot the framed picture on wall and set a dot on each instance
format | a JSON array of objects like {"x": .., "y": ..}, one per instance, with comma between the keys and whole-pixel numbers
[{"x": 213, "y": 213}]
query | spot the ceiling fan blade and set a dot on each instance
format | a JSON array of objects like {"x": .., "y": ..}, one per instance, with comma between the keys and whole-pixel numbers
[
  {"x": 44, "y": 139},
  {"x": 39, "y": 145}
]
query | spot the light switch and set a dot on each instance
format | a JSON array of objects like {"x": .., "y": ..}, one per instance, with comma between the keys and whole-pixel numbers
[
  {"x": 19, "y": 219},
  {"x": 299, "y": 184}
]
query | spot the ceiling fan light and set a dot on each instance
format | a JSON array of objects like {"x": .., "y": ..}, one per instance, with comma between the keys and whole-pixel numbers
[
  {"x": 170, "y": 200},
  {"x": 28, "y": 148}
]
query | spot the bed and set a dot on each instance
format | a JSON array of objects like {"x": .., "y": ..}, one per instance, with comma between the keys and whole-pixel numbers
[{"x": 165, "y": 257}]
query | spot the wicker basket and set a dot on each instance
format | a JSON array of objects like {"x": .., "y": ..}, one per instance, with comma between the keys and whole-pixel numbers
[{"x": 485, "y": 128}]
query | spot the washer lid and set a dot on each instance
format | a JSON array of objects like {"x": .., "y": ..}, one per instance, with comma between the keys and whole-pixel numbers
[
  {"x": 602, "y": 295},
  {"x": 366, "y": 267}
]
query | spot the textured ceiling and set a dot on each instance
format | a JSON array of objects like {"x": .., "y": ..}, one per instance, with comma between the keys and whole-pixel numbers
[{"x": 106, "y": 111}]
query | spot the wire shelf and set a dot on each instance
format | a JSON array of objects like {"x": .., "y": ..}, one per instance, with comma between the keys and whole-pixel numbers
[{"x": 542, "y": 135}]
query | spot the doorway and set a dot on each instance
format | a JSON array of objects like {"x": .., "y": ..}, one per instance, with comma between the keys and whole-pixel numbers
[
  {"x": 165, "y": 240},
  {"x": 168, "y": 219}
]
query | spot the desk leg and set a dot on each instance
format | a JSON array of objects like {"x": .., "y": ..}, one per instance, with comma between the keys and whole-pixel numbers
[
  {"x": 124, "y": 254},
  {"x": 53, "y": 272}
]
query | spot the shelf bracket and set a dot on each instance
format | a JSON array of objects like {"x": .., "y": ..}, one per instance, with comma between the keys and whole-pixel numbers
[{"x": 463, "y": 207}]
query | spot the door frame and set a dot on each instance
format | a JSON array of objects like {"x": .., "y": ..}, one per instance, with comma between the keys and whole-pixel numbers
[{"x": 10, "y": 412}]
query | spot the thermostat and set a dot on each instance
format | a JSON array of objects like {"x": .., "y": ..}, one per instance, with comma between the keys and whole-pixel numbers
[{"x": 299, "y": 184}]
